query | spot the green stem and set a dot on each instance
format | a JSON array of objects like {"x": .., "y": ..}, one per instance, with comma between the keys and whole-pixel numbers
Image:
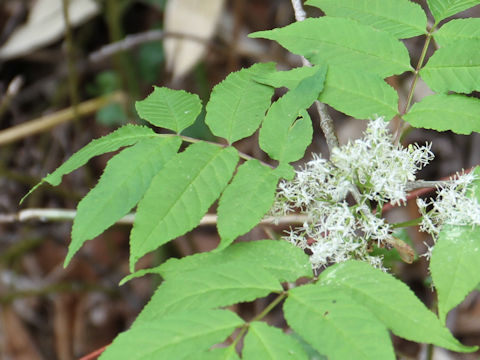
[
  {"x": 260, "y": 316},
  {"x": 407, "y": 223}
]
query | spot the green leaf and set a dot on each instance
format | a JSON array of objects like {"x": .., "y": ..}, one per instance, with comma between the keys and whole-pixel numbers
[
  {"x": 340, "y": 41},
  {"x": 174, "y": 336},
  {"x": 124, "y": 136},
  {"x": 401, "y": 18},
  {"x": 360, "y": 94},
  {"x": 392, "y": 302},
  {"x": 246, "y": 200},
  {"x": 442, "y": 9},
  {"x": 454, "y": 266},
  {"x": 284, "y": 260},
  {"x": 170, "y": 109},
  {"x": 291, "y": 78},
  {"x": 216, "y": 354},
  {"x": 210, "y": 287},
  {"x": 282, "y": 136},
  {"x": 179, "y": 195},
  {"x": 267, "y": 342},
  {"x": 238, "y": 104},
  {"x": 124, "y": 181},
  {"x": 458, "y": 29},
  {"x": 455, "y": 67},
  {"x": 458, "y": 113},
  {"x": 335, "y": 325}
]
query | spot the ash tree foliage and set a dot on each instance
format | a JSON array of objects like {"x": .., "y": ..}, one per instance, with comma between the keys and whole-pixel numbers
[{"x": 349, "y": 303}]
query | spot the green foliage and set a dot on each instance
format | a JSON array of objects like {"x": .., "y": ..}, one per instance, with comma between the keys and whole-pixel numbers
[
  {"x": 246, "y": 200},
  {"x": 454, "y": 67},
  {"x": 458, "y": 29},
  {"x": 232, "y": 112},
  {"x": 441, "y": 112},
  {"x": 174, "y": 336},
  {"x": 172, "y": 109},
  {"x": 339, "y": 41},
  {"x": 188, "y": 185},
  {"x": 126, "y": 178},
  {"x": 336, "y": 325},
  {"x": 401, "y": 18},
  {"x": 392, "y": 302},
  {"x": 454, "y": 262},
  {"x": 442, "y": 9},
  {"x": 348, "y": 311},
  {"x": 270, "y": 343}
]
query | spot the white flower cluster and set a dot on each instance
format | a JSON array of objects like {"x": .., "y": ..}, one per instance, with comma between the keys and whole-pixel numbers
[
  {"x": 452, "y": 206},
  {"x": 373, "y": 168}
]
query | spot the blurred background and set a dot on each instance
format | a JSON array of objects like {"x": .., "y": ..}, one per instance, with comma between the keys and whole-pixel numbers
[{"x": 71, "y": 71}]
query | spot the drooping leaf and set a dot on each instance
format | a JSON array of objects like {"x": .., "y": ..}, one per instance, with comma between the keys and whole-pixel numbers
[
  {"x": 392, "y": 302},
  {"x": 454, "y": 266},
  {"x": 267, "y": 342},
  {"x": 454, "y": 261},
  {"x": 282, "y": 136},
  {"x": 458, "y": 29},
  {"x": 290, "y": 78},
  {"x": 126, "y": 178},
  {"x": 360, "y": 94},
  {"x": 401, "y": 18},
  {"x": 174, "y": 336},
  {"x": 209, "y": 287},
  {"x": 455, "y": 67},
  {"x": 336, "y": 325},
  {"x": 227, "y": 353},
  {"x": 442, "y": 9},
  {"x": 238, "y": 104},
  {"x": 246, "y": 200},
  {"x": 284, "y": 260},
  {"x": 124, "y": 136},
  {"x": 170, "y": 109},
  {"x": 340, "y": 41},
  {"x": 179, "y": 195},
  {"x": 458, "y": 113}
]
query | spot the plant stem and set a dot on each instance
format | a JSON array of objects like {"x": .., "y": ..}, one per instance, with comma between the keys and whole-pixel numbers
[
  {"x": 72, "y": 70},
  {"x": 260, "y": 316},
  {"x": 407, "y": 223}
]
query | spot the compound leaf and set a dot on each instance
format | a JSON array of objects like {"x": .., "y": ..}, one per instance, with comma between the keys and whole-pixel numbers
[
  {"x": 174, "y": 336},
  {"x": 238, "y": 104},
  {"x": 458, "y": 113},
  {"x": 455, "y": 67},
  {"x": 281, "y": 258},
  {"x": 454, "y": 265},
  {"x": 341, "y": 41},
  {"x": 401, "y": 18},
  {"x": 170, "y": 109},
  {"x": 335, "y": 325},
  {"x": 124, "y": 136},
  {"x": 360, "y": 94},
  {"x": 282, "y": 136},
  {"x": 208, "y": 288},
  {"x": 126, "y": 178},
  {"x": 458, "y": 29},
  {"x": 392, "y": 302},
  {"x": 246, "y": 200},
  {"x": 442, "y": 9},
  {"x": 267, "y": 342},
  {"x": 179, "y": 195}
]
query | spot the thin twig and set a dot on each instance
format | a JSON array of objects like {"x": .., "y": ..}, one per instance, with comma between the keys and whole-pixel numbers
[
  {"x": 68, "y": 215},
  {"x": 72, "y": 68},
  {"x": 326, "y": 122},
  {"x": 48, "y": 121}
]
